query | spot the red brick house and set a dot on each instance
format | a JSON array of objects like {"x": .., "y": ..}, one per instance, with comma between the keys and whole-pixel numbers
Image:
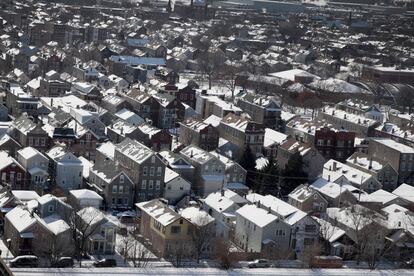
[
  {"x": 11, "y": 172},
  {"x": 335, "y": 144}
]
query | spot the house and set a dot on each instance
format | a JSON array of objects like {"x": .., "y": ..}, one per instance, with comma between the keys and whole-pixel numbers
[
  {"x": 209, "y": 174},
  {"x": 405, "y": 192},
  {"x": 308, "y": 200},
  {"x": 65, "y": 169},
  {"x": 272, "y": 140},
  {"x": 268, "y": 223},
  {"x": 29, "y": 133},
  {"x": 170, "y": 111},
  {"x": 167, "y": 230},
  {"x": 386, "y": 175},
  {"x": 143, "y": 166},
  {"x": 337, "y": 195},
  {"x": 261, "y": 109},
  {"x": 176, "y": 187},
  {"x": 178, "y": 164},
  {"x": 153, "y": 137},
  {"x": 129, "y": 117},
  {"x": 198, "y": 133},
  {"x": 36, "y": 165},
  {"x": 243, "y": 133},
  {"x": 207, "y": 105},
  {"x": 12, "y": 173},
  {"x": 8, "y": 144},
  {"x": 113, "y": 103},
  {"x": 109, "y": 180},
  {"x": 381, "y": 199},
  {"x": 341, "y": 173},
  {"x": 333, "y": 144},
  {"x": 101, "y": 230},
  {"x": 222, "y": 205},
  {"x": 120, "y": 129},
  {"x": 312, "y": 160},
  {"x": 234, "y": 172},
  {"x": 399, "y": 156},
  {"x": 82, "y": 198}
]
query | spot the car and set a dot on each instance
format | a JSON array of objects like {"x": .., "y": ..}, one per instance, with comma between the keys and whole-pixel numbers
[
  {"x": 64, "y": 262},
  {"x": 259, "y": 263},
  {"x": 25, "y": 261},
  {"x": 105, "y": 263}
]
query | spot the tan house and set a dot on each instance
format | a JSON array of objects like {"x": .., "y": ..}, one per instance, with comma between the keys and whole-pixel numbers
[{"x": 308, "y": 200}]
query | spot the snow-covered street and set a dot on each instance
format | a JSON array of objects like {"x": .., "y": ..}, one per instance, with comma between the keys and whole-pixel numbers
[{"x": 205, "y": 271}]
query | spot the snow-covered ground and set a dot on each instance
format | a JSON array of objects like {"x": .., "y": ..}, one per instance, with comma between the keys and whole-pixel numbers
[{"x": 205, "y": 271}]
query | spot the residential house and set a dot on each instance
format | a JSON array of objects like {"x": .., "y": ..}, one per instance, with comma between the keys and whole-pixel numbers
[
  {"x": 178, "y": 164},
  {"x": 65, "y": 169},
  {"x": 209, "y": 174},
  {"x": 82, "y": 198},
  {"x": 243, "y": 133},
  {"x": 153, "y": 137},
  {"x": 143, "y": 166},
  {"x": 335, "y": 144},
  {"x": 234, "y": 172},
  {"x": 12, "y": 173},
  {"x": 36, "y": 165},
  {"x": 272, "y": 140},
  {"x": 337, "y": 195},
  {"x": 176, "y": 187},
  {"x": 198, "y": 133},
  {"x": 308, "y": 200},
  {"x": 262, "y": 109}
]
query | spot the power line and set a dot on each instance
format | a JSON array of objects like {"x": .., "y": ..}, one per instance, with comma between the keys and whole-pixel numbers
[{"x": 278, "y": 175}]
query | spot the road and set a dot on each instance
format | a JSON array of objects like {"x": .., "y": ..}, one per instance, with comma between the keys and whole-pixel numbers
[{"x": 204, "y": 271}]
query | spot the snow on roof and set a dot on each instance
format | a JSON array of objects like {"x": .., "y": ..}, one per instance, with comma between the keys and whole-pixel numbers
[
  {"x": 6, "y": 160},
  {"x": 277, "y": 206},
  {"x": 195, "y": 153},
  {"x": 337, "y": 86},
  {"x": 129, "y": 116},
  {"x": 273, "y": 137},
  {"x": 405, "y": 191},
  {"x": 290, "y": 74},
  {"x": 379, "y": 196},
  {"x": 350, "y": 117},
  {"x": 213, "y": 120},
  {"x": 196, "y": 216},
  {"x": 301, "y": 193},
  {"x": 220, "y": 203},
  {"x": 55, "y": 224},
  {"x": 20, "y": 218},
  {"x": 261, "y": 162},
  {"x": 46, "y": 198},
  {"x": 107, "y": 149},
  {"x": 29, "y": 152},
  {"x": 365, "y": 162},
  {"x": 86, "y": 166},
  {"x": 353, "y": 175},
  {"x": 398, "y": 217},
  {"x": 331, "y": 189},
  {"x": 394, "y": 145},
  {"x": 194, "y": 124},
  {"x": 91, "y": 215},
  {"x": 329, "y": 232},
  {"x": 159, "y": 211},
  {"x": 134, "y": 150},
  {"x": 25, "y": 195},
  {"x": 85, "y": 194},
  {"x": 169, "y": 175},
  {"x": 256, "y": 215},
  {"x": 65, "y": 102},
  {"x": 133, "y": 60}
]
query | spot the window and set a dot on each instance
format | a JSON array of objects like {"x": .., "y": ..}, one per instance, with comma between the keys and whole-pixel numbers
[
  {"x": 51, "y": 208},
  {"x": 310, "y": 228},
  {"x": 152, "y": 170},
  {"x": 157, "y": 185},
  {"x": 19, "y": 176},
  {"x": 144, "y": 184},
  {"x": 153, "y": 159},
  {"x": 145, "y": 171},
  {"x": 43, "y": 142},
  {"x": 151, "y": 185},
  {"x": 206, "y": 168},
  {"x": 114, "y": 189},
  {"x": 3, "y": 176},
  {"x": 121, "y": 189},
  {"x": 11, "y": 176},
  {"x": 175, "y": 229},
  {"x": 159, "y": 171},
  {"x": 121, "y": 178}
]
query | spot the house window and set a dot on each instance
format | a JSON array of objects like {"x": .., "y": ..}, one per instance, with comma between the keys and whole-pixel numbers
[
  {"x": 310, "y": 228},
  {"x": 151, "y": 185},
  {"x": 152, "y": 170},
  {"x": 114, "y": 189},
  {"x": 206, "y": 168},
  {"x": 144, "y": 184},
  {"x": 88, "y": 136},
  {"x": 121, "y": 178},
  {"x": 153, "y": 159},
  {"x": 3, "y": 176},
  {"x": 145, "y": 171},
  {"x": 175, "y": 229},
  {"x": 11, "y": 176},
  {"x": 121, "y": 189},
  {"x": 51, "y": 208},
  {"x": 19, "y": 176},
  {"x": 159, "y": 171},
  {"x": 43, "y": 142}
]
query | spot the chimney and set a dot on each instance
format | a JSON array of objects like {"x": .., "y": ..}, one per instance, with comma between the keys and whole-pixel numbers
[
  {"x": 191, "y": 154},
  {"x": 269, "y": 210},
  {"x": 329, "y": 178},
  {"x": 334, "y": 166},
  {"x": 222, "y": 192},
  {"x": 258, "y": 203},
  {"x": 51, "y": 102},
  {"x": 370, "y": 164}
]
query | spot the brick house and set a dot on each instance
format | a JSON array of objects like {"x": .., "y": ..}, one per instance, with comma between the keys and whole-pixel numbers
[{"x": 336, "y": 144}]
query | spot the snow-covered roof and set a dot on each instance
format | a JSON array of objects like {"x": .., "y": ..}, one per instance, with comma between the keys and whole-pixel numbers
[
  {"x": 159, "y": 211},
  {"x": 333, "y": 170},
  {"x": 55, "y": 224},
  {"x": 29, "y": 152},
  {"x": 380, "y": 195},
  {"x": 169, "y": 175},
  {"x": 25, "y": 195},
  {"x": 213, "y": 120},
  {"x": 195, "y": 153},
  {"x": 20, "y": 218},
  {"x": 405, "y": 191},
  {"x": 256, "y": 215},
  {"x": 394, "y": 145},
  {"x": 86, "y": 166},
  {"x": 331, "y": 189},
  {"x": 290, "y": 74},
  {"x": 107, "y": 149},
  {"x": 273, "y": 137},
  {"x": 134, "y": 150},
  {"x": 85, "y": 194},
  {"x": 196, "y": 216}
]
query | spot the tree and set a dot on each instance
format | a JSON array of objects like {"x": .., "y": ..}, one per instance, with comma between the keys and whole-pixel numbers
[
  {"x": 309, "y": 253},
  {"x": 248, "y": 162},
  {"x": 268, "y": 178},
  {"x": 83, "y": 226},
  {"x": 131, "y": 249},
  {"x": 293, "y": 174},
  {"x": 228, "y": 76},
  {"x": 209, "y": 64},
  {"x": 202, "y": 235},
  {"x": 222, "y": 253}
]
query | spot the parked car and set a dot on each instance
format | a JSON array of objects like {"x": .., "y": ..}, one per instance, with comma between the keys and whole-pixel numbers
[
  {"x": 64, "y": 262},
  {"x": 259, "y": 263},
  {"x": 105, "y": 263},
  {"x": 25, "y": 261}
]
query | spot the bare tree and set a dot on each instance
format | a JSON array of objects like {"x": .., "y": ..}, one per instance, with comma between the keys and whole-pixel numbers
[
  {"x": 209, "y": 64},
  {"x": 131, "y": 249},
  {"x": 202, "y": 235},
  {"x": 222, "y": 253},
  {"x": 310, "y": 252},
  {"x": 228, "y": 76},
  {"x": 82, "y": 226},
  {"x": 179, "y": 253}
]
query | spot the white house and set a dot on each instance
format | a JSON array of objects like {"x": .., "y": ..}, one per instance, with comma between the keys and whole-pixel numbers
[
  {"x": 176, "y": 187},
  {"x": 36, "y": 164},
  {"x": 67, "y": 169},
  {"x": 85, "y": 198}
]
